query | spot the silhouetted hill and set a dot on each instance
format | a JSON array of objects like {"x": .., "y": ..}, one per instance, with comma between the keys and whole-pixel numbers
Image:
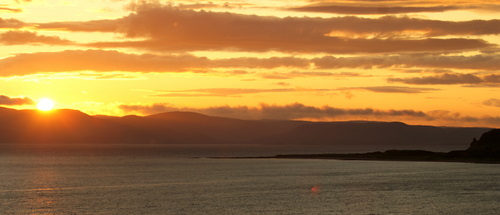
[
  {"x": 223, "y": 130},
  {"x": 70, "y": 126},
  {"x": 489, "y": 143}
]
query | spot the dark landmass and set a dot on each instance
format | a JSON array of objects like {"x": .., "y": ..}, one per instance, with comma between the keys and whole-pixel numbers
[
  {"x": 484, "y": 150},
  {"x": 75, "y": 127}
]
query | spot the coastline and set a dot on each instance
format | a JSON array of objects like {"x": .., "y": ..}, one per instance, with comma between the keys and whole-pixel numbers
[{"x": 391, "y": 155}]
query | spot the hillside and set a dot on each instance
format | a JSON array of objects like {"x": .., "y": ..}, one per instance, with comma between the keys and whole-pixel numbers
[
  {"x": 379, "y": 135},
  {"x": 70, "y": 126},
  {"x": 489, "y": 143}
]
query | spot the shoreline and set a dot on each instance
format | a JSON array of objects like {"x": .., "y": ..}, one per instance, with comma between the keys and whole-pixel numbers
[{"x": 391, "y": 155}]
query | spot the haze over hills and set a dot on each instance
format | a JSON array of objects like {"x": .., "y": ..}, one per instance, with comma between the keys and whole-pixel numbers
[{"x": 70, "y": 126}]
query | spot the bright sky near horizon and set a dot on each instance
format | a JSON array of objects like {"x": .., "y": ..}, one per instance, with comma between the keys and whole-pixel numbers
[{"x": 431, "y": 62}]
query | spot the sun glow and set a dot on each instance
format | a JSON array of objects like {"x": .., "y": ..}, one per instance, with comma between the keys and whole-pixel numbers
[{"x": 45, "y": 104}]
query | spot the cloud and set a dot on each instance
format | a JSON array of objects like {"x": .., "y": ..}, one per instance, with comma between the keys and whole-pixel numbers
[
  {"x": 392, "y": 6},
  {"x": 289, "y": 44},
  {"x": 266, "y": 111},
  {"x": 110, "y": 61},
  {"x": 391, "y": 89},
  {"x": 26, "y": 37},
  {"x": 296, "y": 74},
  {"x": 11, "y": 23},
  {"x": 479, "y": 62},
  {"x": 263, "y": 63},
  {"x": 226, "y": 92},
  {"x": 8, "y": 9},
  {"x": 367, "y": 10},
  {"x": 171, "y": 22},
  {"x": 85, "y": 75},
  {"x": 301, "y": 111},
  {"x": 171, "y": 29},
  {"x": 449, "y": 78},
  {"x": 148, "y": 109},
  {"x": 110, "y": 25},
  {"x": 492, "y": 102},
  {"x": 282, "y": 83},
  {"x": 96, "y": 60},
  {"x": 6, "y": 100},
  {"x": 211, "y": 5}
]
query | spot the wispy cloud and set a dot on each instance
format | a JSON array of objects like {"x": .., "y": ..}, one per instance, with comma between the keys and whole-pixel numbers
[
  {"x": 225, "y": 92},
  {"x": 237, "y": 92},
  {"x": 297, "y": 74},
  {"x": 492, "y": 102},
  {"x": 8, "y": 9},
  {"x": 373, "y": 10},
  {"x": 479, "y": 62},
  {"x": 450, "y": 78},
  {"x": 392, "y": 89}
]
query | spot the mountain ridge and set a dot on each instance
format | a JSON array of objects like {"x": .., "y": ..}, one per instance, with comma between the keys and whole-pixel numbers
[{"x": 72, "y": 126}]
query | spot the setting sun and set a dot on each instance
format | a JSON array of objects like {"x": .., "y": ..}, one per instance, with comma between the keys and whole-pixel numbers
[{"x": 45, "y": 104}]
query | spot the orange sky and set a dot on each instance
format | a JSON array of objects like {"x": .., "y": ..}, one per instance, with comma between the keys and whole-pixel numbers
[{"x": 429, "y": 62}]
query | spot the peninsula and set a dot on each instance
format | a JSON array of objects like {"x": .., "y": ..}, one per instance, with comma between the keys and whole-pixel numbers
[{"x": 484, "y": 150}]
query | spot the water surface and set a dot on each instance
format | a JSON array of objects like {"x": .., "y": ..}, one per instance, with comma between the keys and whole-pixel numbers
[{"x": 151, "y": 184}]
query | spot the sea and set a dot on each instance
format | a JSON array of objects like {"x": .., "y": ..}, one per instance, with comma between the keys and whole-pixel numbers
[{"x": 129, "y": 179}]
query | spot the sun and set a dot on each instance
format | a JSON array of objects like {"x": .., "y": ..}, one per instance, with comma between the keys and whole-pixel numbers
[{"x": 45, "y": 104}]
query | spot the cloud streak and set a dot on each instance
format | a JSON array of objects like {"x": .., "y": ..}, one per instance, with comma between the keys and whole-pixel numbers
[
  {"x": 237, "y": 92},
  {"x": 367, "y": 10},
  {"x": 479, "y": 62},
  {"x": 110, "y": 61},
  {"x": 449, "y": 79},
  {"x": 297, "y": 74},
  {"x": 8, "y": 9},
  {"x": 226, "y": 92},
  {"x": 392, "y": 89}
]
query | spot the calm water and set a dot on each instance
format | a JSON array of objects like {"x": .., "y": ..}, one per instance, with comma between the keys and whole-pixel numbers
[{"x": 143, "y": 184}]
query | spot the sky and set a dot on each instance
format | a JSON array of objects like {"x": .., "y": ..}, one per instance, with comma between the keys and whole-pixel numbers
[{"x": 427, "y": 62}]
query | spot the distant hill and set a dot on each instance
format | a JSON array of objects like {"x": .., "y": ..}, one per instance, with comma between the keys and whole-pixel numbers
[
  {"x": 71, "y": 126},
  {"x": 379, "y": 135}
]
